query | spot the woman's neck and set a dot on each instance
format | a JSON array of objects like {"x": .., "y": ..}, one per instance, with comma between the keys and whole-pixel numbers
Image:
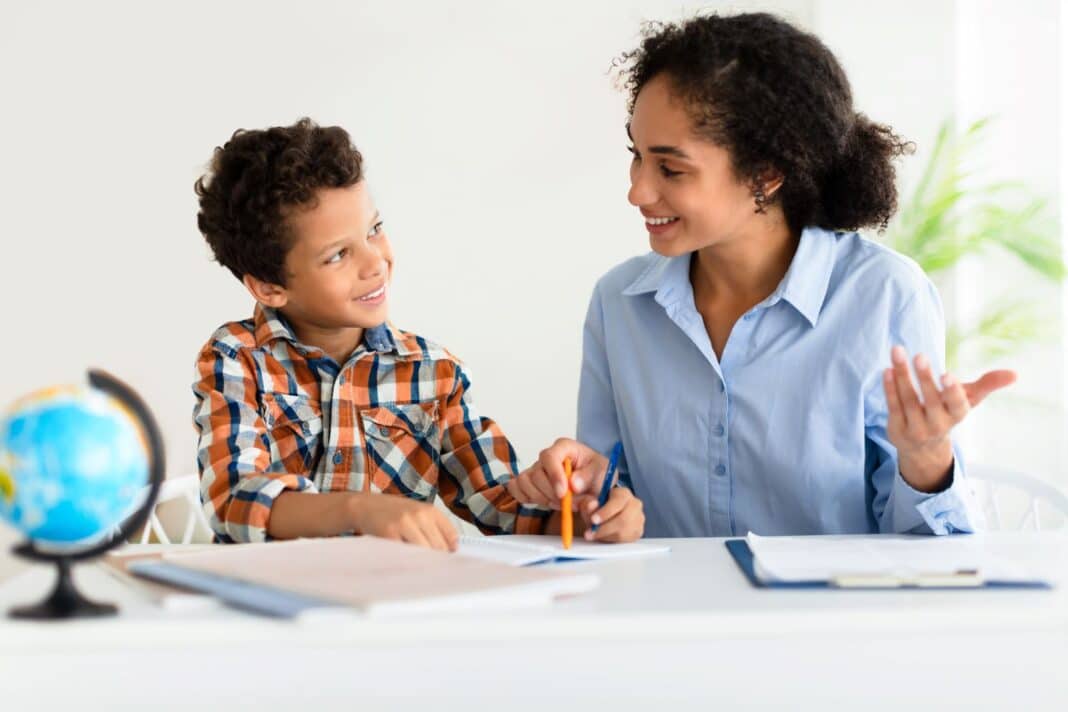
[{"x": 746, "y": 268}]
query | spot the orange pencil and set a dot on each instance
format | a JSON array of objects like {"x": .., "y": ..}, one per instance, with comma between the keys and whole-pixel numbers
[{"x": 567, "y": 526}]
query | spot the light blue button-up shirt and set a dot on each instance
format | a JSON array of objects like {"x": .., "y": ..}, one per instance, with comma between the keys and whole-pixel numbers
[{"x": 786, "y": 432}]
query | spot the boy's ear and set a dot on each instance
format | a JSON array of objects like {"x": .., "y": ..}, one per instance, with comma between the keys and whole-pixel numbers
[{"x": 267, "y": 294}]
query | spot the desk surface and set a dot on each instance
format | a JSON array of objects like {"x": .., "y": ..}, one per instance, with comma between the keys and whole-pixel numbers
[{"x": 684, "y": 624}]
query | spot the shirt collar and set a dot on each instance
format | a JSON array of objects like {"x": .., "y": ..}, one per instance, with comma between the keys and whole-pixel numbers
[
  {"x": 270, "y": 325},
  {"x": 805, "y": 283},
  {"x": 804, "y": 286}
]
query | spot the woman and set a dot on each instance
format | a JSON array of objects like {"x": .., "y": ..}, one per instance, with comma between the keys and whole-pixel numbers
[{"x": 741, "y": 363}]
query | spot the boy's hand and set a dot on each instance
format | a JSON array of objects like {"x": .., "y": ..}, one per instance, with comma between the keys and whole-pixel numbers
[
  {"x": 544, "y": 483},
  {"x": 402, "y": 519},
  {"x": 620, "y": 519}
]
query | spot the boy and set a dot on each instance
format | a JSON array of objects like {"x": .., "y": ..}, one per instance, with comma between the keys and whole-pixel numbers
[{"x": 316, "y": 417}]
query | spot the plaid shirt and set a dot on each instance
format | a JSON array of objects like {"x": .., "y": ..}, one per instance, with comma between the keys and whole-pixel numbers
[{"x": 397, "y": 417}]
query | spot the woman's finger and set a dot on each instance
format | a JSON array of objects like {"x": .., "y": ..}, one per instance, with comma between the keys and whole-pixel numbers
[
  {"x": 937, "y": 417},
  {"x": 612, "y": 530},
  {"x": 954, "y": 398},
  {"x": 616, "y": 502},
  {"x": 986, "y": 384},
  {"x": 896, "y": 418},
  {"x": 910, "y": 402}
]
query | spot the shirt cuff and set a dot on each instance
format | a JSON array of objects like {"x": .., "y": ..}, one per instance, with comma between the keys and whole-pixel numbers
[
  {"x": 252, "y": 501},
  {"x": 945, "y": 512}
]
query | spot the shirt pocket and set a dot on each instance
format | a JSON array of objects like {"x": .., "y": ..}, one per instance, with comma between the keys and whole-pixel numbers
[
  {"x": 403, "y": 447},
  {"x": 294, "y": 430}
]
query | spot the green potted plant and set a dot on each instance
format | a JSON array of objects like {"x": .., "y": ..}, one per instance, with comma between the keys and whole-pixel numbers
[{"x": 952, "y": 214}]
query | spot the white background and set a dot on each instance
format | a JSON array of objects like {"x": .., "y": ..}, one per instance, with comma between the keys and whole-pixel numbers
[{"x": 494, "y": 144}]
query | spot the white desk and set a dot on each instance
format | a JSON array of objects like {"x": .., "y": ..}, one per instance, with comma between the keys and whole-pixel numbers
[{"x": 683, "y": 629}]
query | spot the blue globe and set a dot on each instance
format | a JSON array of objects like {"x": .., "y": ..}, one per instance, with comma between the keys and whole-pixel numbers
[{"x": 73, "y": 462}]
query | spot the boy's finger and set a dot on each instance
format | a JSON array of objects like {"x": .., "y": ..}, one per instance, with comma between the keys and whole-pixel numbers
[
  {"x": 540, "y": 482},
  {"x": 449, "y": 536},
  {"x": 522, "y": 492},
  {"x": 433, "y": 535},
  {"x": 411, "y": 532}
]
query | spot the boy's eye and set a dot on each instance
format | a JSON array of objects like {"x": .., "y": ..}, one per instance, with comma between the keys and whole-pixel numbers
[
  {"x": 377, "y": 228},
  {"x": 634, "y": 153},
  {"x": 337, "y": 256}
]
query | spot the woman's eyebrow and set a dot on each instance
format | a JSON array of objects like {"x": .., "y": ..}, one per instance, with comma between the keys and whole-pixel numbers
[{"x": 663, "y": 150}]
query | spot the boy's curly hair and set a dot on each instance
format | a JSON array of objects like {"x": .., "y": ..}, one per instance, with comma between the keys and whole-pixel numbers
[
  {"x": 256, "y": 179},
  {"x": 776, "y": 98}
]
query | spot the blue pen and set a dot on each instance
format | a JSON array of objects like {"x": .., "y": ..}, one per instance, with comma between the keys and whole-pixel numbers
[{"x": 610, "y": 475}]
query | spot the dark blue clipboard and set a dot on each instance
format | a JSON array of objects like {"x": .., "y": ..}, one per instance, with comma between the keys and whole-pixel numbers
[{"x": 743, "y": 556}]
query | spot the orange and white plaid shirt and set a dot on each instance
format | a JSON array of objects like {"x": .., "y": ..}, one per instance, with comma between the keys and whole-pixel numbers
[{"x": 397, "y": 417}]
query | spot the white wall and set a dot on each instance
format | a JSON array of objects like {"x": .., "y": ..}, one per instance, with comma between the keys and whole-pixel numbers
[{"x": 494, "y": 144}]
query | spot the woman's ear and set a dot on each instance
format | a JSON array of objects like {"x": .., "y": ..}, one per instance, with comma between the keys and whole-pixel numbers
[
  {"x": 267, "y": 294},
  {"x": 770, "y": 180}
]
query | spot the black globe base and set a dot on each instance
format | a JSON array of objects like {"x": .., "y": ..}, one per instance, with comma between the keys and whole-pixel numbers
[{"x": 65, "y": 601}]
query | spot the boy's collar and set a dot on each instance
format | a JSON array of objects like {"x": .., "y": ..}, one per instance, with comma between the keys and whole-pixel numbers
[{"x": 270, "y": 324}]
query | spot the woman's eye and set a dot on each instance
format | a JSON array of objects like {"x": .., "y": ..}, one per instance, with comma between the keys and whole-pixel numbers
[
  {"x": 337, "y": 256},
  {"x": 668, "y": 173},
  {"x": 377, "y": 228}
]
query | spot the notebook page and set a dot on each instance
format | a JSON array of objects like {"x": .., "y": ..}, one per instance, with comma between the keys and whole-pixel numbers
[
  {"x": 497, "y": 548},
  {"x": 523, "y": 549}
]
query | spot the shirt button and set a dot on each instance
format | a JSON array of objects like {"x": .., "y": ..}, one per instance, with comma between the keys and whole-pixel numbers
[
  {"x": 721, "y": 470},
  {"x": 722, "y": 387},
  {"x": 383, "y": 431},
  {"x": 718, "y": 430},
  {"x": 748, "y": 317},
  {"x": 338, "y": 457}
]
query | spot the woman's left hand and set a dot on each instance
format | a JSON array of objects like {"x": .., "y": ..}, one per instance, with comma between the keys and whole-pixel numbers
[{"x": 919, "y": 429}]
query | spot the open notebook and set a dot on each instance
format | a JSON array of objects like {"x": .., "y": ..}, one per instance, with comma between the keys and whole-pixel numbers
[
  {"x": 526, "y": 549},
  {"x": 375, "y": 576}
]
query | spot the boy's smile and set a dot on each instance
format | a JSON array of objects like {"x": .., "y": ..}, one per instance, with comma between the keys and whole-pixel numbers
[{"x": 337, "y": 271}]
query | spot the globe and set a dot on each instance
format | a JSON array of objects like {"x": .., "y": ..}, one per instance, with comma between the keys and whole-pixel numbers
[
  {"x": 75, "y": 462},
  {"x": 72, "y": 462}
]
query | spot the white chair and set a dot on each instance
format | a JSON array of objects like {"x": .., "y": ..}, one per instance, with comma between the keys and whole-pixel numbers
[
  {"x": 1007, "y": 496},
  {"x": 178, "y": 507}
]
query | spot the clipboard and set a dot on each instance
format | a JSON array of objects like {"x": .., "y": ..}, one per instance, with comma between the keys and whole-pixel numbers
[{"x": 970, "y": 580}]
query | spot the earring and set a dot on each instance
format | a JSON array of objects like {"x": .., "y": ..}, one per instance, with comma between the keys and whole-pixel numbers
[{"x": 761, "y": 200}]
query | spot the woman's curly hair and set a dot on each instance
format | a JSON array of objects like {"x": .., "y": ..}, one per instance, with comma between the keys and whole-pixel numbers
[
  {"x": 776, "y": 98},
  {"x": 256, "y": 179}
]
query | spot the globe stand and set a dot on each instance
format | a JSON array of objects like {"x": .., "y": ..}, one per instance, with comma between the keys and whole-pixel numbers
[{"x": 66, "y": 601}]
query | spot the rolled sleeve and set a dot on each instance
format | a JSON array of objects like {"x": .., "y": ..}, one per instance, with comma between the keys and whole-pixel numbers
[
  {"x": 238, "y": 480},
  {"x": 476, "y": 461}
]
